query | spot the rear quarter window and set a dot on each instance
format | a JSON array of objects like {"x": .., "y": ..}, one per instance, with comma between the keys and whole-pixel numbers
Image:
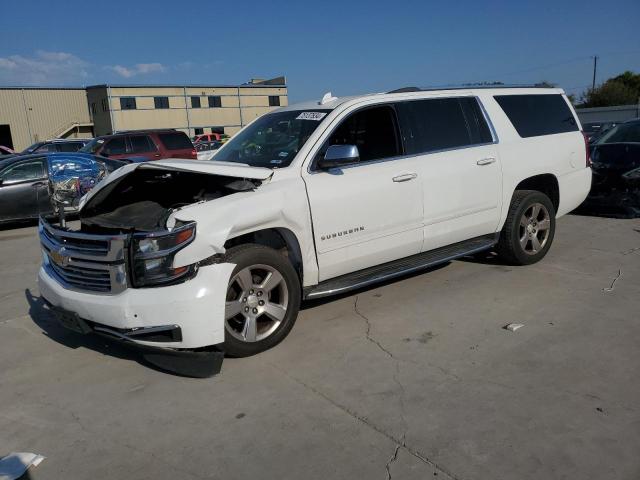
[
  {"x": 536, "y": 115},
  {"x": 175, "y": 141}
]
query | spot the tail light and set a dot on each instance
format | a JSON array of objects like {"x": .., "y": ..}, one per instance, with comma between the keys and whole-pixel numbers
[
  {"x": 194, "y": 153},
  {"x": 587, "y": 150}
]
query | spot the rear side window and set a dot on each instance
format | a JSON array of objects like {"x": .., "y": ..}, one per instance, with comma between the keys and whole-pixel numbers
[
  {"x": 115, "y": 146},
  {"x": 142, "y": 143},
  {"x": 175, "y": 141},
  {"x": 69, "y": 147},
  {"x": 476, "y": 121},
  {"x": 434, "y": 124},
  {"x": 535, "y": 115}
]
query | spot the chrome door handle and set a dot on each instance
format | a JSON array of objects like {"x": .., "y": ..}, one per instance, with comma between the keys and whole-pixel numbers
[
  {"x": 486, "y": 161},
  {"x": 405, "y": 178}
]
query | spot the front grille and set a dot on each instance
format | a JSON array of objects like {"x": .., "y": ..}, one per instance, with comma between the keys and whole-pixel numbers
[
  {"x": 87, "y": 246},
  {"x": 81, "y": 277},
  {"x": 84, "y": 262}
]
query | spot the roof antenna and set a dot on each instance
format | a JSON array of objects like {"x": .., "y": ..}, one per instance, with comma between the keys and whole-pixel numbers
[{"x": 327, "y": 98}]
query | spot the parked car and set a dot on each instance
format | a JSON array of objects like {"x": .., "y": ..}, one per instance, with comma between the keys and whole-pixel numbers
[
  {"x": 313, "y": 200},
  {"x": 594, "y": 129},
  {"x": 4, "y": 151},
  {"x": 206, "y": 150},
  {"x": 57, "y": 145},
  {"x": 616, "y": 172},
  {"x": 143, "y": 145},
  {"x": 210, "y": 137},
  {"x": 24, "y": 181}
]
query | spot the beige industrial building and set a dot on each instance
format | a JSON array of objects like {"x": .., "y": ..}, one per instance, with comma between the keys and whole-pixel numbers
[{"x": 29, "y": 115}]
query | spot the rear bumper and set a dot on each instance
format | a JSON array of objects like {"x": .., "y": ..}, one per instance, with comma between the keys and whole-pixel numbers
[
  {"x": 574, "y": 188},
  {"x": 194, "y": 308}
]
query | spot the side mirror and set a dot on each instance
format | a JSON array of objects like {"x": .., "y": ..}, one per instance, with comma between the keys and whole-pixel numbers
[{"x": 339, "y": 156}]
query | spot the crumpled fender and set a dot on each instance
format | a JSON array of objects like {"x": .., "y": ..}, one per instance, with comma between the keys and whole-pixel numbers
[{"x": 279, "y": 203}]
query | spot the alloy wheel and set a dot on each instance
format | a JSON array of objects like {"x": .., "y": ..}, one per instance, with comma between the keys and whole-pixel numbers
[{"x": 535, "y": 225}]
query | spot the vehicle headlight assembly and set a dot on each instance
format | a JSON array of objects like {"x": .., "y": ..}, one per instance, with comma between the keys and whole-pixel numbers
[{"x": 153, "y": 255}]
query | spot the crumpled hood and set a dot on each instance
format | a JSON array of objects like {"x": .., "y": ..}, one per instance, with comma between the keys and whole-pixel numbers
[{"x": 228, "y": 169}]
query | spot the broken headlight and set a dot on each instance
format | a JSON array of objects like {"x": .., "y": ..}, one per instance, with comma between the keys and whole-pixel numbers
[{"x": 153, "y": 255}]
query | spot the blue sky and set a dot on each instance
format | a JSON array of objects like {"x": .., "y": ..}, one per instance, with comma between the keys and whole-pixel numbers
[{"x": 345, "y": 47}]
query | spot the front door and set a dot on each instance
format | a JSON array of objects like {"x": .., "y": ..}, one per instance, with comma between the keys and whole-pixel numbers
[
  {"x": 23, "y": 190},
  {"x": 370, "y": 212}
]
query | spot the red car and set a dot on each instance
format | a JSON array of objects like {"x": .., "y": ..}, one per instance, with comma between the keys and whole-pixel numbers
[
  {"x": 142, "y": 145},
  {"x": 210, "y": 137}
]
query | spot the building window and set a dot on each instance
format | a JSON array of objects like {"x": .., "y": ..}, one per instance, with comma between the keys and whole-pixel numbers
[
  {"x": 105, "y": 105},
  {"x": 215, "y": 101},
  {"x": 219, "y": 130},
  {"x": 161, "y": 102},
  {"x": 274, "y": 101},
  {"x": 93, "y": 108},
  {"x": 195, "y": 102},
  {"x": 127, "y": 103},
  {"x": 198, "y": 131}
]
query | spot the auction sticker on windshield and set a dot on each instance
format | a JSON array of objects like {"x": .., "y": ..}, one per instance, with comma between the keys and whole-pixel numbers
[{"x": 316, "y": 116}]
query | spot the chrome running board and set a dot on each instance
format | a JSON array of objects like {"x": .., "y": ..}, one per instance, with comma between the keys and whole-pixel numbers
[{"x": 396, "y": 268}]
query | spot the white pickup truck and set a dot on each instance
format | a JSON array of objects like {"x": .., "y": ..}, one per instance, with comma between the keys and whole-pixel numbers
[{"x": 311, "y": 200}]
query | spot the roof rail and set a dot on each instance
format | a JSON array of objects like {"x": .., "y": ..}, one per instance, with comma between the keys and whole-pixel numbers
[
  {"x": 467, "y": 87},
  {"x": 405, "y": 90}
]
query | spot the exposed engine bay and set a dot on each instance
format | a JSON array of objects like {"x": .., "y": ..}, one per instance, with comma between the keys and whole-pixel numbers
[{"x": 143, "y": 200}]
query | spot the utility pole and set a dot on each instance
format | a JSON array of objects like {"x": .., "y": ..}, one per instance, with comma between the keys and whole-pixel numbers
[{"x": 595, "y": 66}]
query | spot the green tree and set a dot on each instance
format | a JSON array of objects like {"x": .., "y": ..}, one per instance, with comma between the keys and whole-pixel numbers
[{"x": 623, "y": 89}]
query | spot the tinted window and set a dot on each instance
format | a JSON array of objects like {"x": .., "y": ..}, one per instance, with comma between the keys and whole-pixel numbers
[
  {"x": 115, "y": 146},
  {"x": 623, "y": 133},
  {"x": 435, "y": 124},
  {"x": 274, "y": 101},
  {"x": 215, "y": 101},
  {"x": 23, "y": 172},
  {"x": 142, "y": 143},
  {"x": 176, "y": 141},
  {"x": 69, "y": 147},
  {"x": 161, "y": 102},
  {"x": 127, "y": 103},
  {"x": 535, "y": 115},
  {"x": 372, "y": 130},
  {"x": 478, "y": 127},
  {"x": 195, "y": 102},
  {"x": 48, "y": 147},
  {"x": 198, "y": 131}
]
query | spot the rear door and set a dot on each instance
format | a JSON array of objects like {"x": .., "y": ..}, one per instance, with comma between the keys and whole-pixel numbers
[
  {"x": 459, "y": 167},
  {"x": 23, "y": 185},
  {"x": 370, "y": 212},
  {"x": 115, "y": 147}
]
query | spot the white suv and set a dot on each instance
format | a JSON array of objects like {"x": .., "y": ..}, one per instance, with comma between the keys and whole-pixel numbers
[{"x": 312, "y": 200}]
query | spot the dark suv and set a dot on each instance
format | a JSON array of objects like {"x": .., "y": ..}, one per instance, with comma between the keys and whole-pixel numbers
[
  {"x": 57, "y": 145},
  {"x": 142, "y": 145}
]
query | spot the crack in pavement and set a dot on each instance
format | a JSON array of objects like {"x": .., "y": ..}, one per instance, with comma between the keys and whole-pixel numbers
[{"x": 399, "y": 442}]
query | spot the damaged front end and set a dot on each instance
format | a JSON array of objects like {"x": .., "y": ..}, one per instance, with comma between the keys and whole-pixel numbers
[{"x": 116, "y": 273}]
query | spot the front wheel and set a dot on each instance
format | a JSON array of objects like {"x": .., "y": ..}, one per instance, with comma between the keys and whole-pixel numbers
[
  {"x": 529, "y": 228},
  {"x": 262, "y": 302}
]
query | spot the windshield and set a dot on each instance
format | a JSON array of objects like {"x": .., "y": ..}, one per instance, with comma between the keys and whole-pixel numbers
[
  {"x": 93, "y": 146},
  {"x": 33, "y": 147},
  {"x": 273, "y": 140},
  {"x": 623, "y": 133}
]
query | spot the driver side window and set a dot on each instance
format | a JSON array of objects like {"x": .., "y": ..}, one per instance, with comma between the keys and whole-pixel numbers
[
  {"x": 23, "y": 172},
  {"x": 373, "y": 130}
]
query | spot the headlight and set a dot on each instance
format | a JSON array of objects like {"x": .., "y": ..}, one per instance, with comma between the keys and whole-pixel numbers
[{"x": 153, "y": 255}]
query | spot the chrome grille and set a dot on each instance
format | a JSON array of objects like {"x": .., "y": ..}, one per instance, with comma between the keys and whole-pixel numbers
[{"x": 84, "y": 262}]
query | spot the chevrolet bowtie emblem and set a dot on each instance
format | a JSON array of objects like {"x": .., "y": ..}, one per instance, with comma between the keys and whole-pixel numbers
[{"x": 59, "y": 257}]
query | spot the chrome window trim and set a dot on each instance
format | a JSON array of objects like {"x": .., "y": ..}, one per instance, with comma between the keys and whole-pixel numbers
[{"x": 494, "y": 135}]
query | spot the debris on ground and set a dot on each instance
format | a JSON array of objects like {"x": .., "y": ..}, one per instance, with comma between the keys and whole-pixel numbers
[
  {"x": 613, "y": 284},
  {"x": 15, "y": 464},
  {"x": 512, "y": 327}
]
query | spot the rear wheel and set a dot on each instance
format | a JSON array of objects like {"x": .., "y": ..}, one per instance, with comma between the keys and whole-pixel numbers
[
  {"x": 529, "y": 228},
  {"x": 262, "y": 302}
]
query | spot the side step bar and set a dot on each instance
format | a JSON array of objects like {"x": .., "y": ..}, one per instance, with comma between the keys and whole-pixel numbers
[{"x": 396, "y": 268}]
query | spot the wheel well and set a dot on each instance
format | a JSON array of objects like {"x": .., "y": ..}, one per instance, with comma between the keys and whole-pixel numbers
[
  {"x": 545, "y": 183},
  {"x": 280, "y": 239}
]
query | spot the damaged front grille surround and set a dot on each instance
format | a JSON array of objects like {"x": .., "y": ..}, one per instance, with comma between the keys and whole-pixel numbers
[{"x": 108, "y": 264}]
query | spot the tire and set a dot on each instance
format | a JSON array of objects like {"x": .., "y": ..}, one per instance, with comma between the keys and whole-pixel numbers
[
  {"x": 529, "y": 228},
  {"x": 263, "y": 300}
]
